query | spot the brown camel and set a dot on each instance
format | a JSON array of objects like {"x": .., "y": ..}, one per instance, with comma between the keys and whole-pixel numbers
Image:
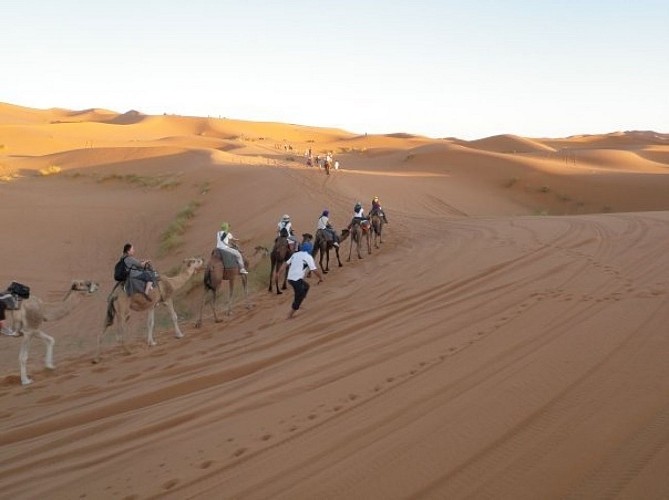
[
  {"x": 28, "y": 318},
  {"x": 120, "y": 304},
  {"x": 323, "y": 243},
  {"x": 360, "y": 230},
  {"x": 220, "y": 268},
  {"x": 280, "y": 253},
  {"x": 377, "y": 228}
]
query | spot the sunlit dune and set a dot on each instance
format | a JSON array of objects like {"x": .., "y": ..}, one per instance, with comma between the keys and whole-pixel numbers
[
  {"x": 507, "y": 339},
  {"x": 510, "y": 144}
]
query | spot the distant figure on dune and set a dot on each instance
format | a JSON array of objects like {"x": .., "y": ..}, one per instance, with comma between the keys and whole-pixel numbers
[
  {"x": 298, "y": 264},
  {"x": 224, "y": 240}
]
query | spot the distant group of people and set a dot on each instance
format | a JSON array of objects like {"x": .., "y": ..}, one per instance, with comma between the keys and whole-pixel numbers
[
  {"x": 300, "y": 262},
  {"x": 326, "y": 161}
]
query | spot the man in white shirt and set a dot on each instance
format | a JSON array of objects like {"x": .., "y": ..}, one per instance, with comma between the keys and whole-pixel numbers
[{"x": 299, "y": 262}]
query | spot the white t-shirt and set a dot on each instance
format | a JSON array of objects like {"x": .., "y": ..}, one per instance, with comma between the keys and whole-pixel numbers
[
  {"x": 223, "y": 239},
  {"x": 286, "y": 224},
  {"x": 323, "y": 222},
  {"x": 296, "y": 271},
  {"x": 360, "y": 213}
]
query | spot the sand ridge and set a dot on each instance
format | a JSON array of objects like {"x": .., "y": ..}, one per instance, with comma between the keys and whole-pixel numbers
[{"x": 507, "y": 340}]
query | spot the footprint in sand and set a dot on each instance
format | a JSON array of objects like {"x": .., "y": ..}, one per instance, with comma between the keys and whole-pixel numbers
[
  {"x": 49, "y": 399},
  {"x": 239, "y": 452},
  {"x": 170, "y": 484},
  {"x": 206, "y": 464},
  {"x": 266, "y": 437}
]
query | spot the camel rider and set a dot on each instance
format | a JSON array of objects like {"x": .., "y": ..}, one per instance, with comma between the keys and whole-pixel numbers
[
  {"x": 358, "y": 215},
  {"x": 324, "y": 225},
  {"x": 138, "y": 271},
  {"x": 224, "y": 240},
  {"x": 376, "y": 209},
  {"x": 285, "y": 229}
]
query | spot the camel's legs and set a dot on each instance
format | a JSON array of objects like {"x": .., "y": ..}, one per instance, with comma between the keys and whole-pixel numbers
[
  {"x": 211, "y": 298},
  {"x": 231, "y": 289},
  {"x": 150, "y": 322},
  {"x": 213, "y": 306},
  {"x": 23, "y": 356},
  {"x": 49, "y": 342},
  {"x": 175, "y": 319}
]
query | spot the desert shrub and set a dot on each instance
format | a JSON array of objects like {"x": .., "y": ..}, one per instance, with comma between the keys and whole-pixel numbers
[
  {"x": 172, "y": 237},
  {"x": 159, "y": 182},
  {"x": 50, "y": 170}
]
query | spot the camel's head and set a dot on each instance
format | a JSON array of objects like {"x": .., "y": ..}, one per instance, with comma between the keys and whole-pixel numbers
[
  {"x": 193, "y": 264},
  {"x": 84, "y": 286}
]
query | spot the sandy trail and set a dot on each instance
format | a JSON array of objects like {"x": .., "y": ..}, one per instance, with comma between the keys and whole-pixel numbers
[{"x": 481, "y": 352}]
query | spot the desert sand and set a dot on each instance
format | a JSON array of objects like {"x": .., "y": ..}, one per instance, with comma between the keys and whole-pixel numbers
[{"x": 509, "y": 339}]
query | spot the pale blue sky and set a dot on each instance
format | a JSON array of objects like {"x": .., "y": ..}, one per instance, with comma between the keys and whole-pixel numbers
[{"x": 432, "y": 67}]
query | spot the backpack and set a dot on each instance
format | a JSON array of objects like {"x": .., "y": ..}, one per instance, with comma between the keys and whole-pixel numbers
[
  {"x": 121, "y": 271},
  {"x": 19, "y": 289}
]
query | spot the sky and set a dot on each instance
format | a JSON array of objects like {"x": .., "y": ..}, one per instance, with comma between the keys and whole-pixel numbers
[{"x": 439, "y": 68}]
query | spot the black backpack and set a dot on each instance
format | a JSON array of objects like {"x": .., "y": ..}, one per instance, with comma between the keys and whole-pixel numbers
[
  {"x": 121, "y": 271},
  {"x": 19, "y": 289}
]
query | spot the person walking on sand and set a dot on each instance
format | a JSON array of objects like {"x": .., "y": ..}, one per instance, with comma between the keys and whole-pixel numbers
[{"x": 299, "y": 263}]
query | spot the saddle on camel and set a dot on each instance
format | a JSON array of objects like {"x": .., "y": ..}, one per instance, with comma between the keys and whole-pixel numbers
[{"x": 10, "y": 300}]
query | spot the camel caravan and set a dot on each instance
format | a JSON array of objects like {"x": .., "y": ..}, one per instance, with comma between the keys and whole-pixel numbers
[{"x": 139, "y": 288}]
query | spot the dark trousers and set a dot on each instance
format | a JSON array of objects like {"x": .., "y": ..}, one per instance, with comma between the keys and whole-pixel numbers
[{"x": 301, "y": 288}]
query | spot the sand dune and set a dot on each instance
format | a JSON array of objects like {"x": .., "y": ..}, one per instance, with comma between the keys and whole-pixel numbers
[
  {"x": 510, "y": 144},
  {"x": 487, "y": 349}
]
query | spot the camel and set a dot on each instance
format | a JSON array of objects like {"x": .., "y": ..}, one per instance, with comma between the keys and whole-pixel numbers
[
  {"x": 377, "y": 228},
  {"x": 218, "y": 271},
  {"x": 28, "y": 318},
  {"x": 360, "y": 230},
  {"x": 323, "y": 244},
  {"x": 280, "y": 253},
  {"x": 120, "y": 304}
]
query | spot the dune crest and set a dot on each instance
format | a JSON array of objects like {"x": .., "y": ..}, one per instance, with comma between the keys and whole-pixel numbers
[{"x": 507, "y": 340}]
